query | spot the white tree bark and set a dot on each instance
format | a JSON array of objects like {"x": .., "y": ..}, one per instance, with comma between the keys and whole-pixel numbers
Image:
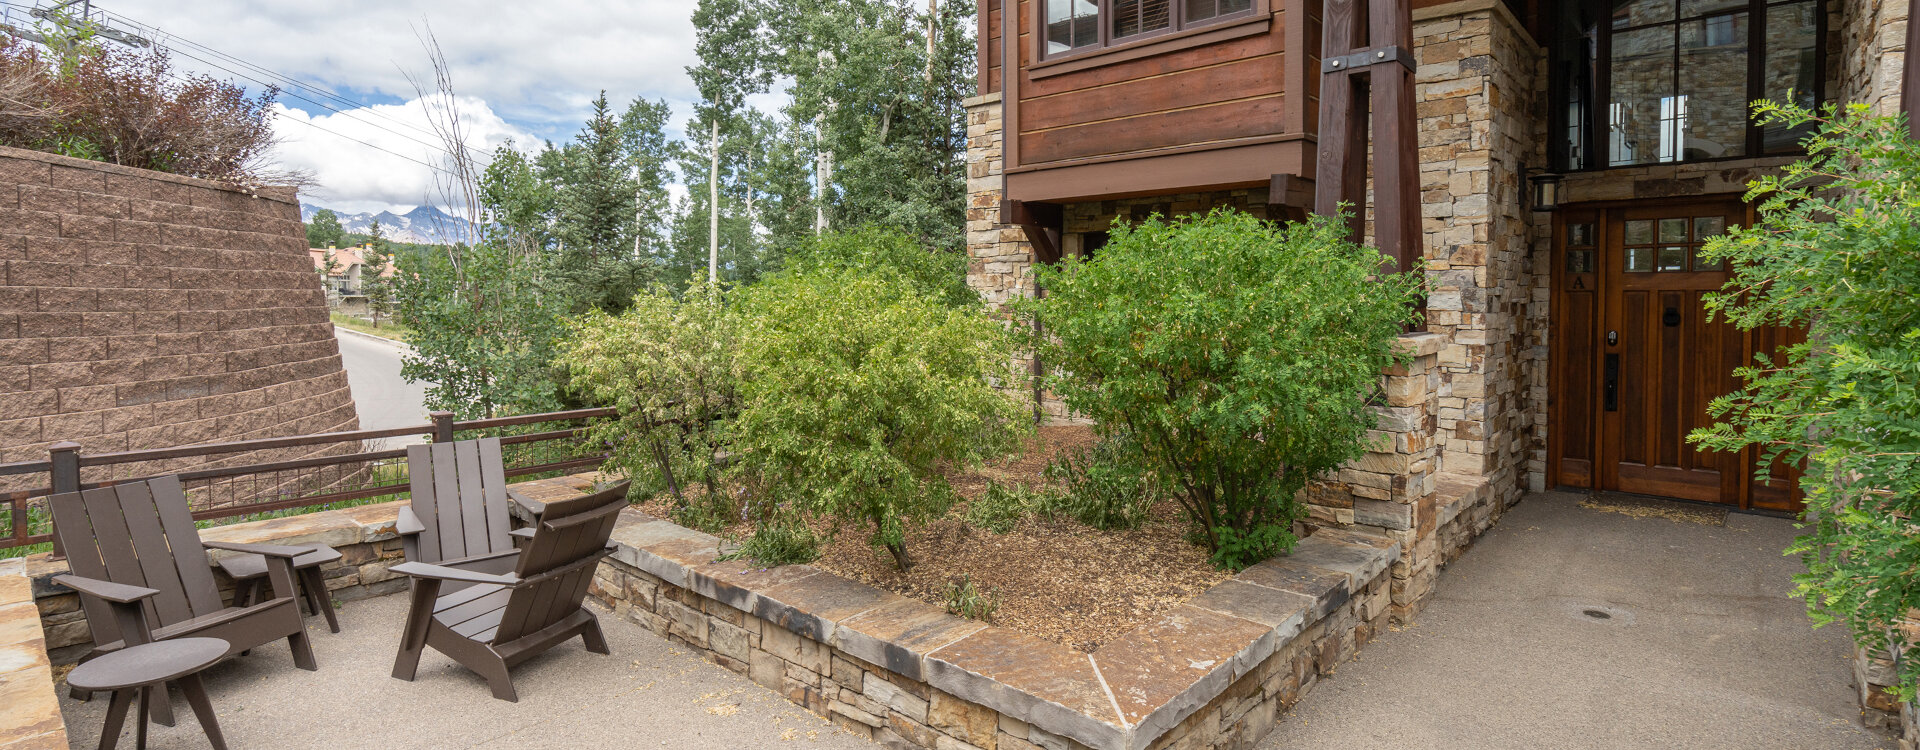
[{"x": 713, "y": 207}]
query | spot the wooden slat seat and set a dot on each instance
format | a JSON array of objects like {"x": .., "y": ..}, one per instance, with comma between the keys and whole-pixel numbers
[
  {"x": 143, "y": 575},
  {"x": 502, "y": 619}
]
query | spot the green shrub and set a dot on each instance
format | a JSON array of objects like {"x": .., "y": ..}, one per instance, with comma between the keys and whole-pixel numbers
[
  {"x": 667, "y": 365},
  {"x": 856, "y": 389},
  {"x": 1104, "y": 485},
  {"x": 936, "y": 274},
  {"x": 779, "y": 542},
  {"x": 1240, "y": 355},
  {"x": 1835, "y": 252},
  {"x": 967, "y": 600},
  {"x": 1000, "y": 507}
]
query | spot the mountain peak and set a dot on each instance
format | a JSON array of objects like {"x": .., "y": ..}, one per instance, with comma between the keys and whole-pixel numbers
[{"x": 423, "y": 224}]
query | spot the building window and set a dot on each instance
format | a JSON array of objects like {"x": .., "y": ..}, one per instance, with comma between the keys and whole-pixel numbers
[
  {"x": 1077, "y": 25},
  {"x": 1675, "y": 78}
]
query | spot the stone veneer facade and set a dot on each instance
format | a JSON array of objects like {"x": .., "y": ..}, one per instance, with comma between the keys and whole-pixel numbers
[{"x": 147, "y": 310}]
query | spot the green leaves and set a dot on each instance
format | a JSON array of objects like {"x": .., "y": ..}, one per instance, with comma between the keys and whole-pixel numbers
[
  {"x": 1236, "y": 355},
  {"x": 857, "y": 388},
  {"x": 1837, "y": 252}
]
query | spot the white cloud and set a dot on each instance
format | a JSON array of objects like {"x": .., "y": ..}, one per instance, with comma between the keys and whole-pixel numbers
[{"x": 353, "y": 173}]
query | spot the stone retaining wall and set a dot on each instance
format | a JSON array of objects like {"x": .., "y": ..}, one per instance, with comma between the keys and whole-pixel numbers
[
  {"x": 31, "y": 716},
  {"x": 147, "y": 310},
  {"x": 1215, "y": 672}
]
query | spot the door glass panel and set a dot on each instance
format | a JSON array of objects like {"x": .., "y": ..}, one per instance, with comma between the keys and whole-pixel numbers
[
  {"x": 1703, "y": 264},
  {"x": 1072, "y": 24},
  {"x": 1673, "y": 259},
  {"x": 1579, "y": 261},
  {"x": 1673, "y": 230},
  {"x": 1639, "y": 232},
  {"x": 1639, "y": 259},
  {"x": 1642, "y": 113},
  {"x": 1790, "y": 66},
  {"x": 1132, "y": 17},
  {"x": 1580, "y": 235},
  {"x": 1708, "y": 226},
  {"x": 1629, "y": 13},
  {"x": 1713, "y": 85}
]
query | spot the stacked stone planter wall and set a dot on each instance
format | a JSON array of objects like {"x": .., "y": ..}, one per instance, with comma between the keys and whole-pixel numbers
[
  {"x": 30, "y": 719},
  {"x": 1215, "y": 672}
]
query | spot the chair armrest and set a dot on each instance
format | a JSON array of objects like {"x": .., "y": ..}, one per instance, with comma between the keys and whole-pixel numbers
[
  {"x": 408, "y": 523},
  {"x": 533, "y": 506},
  {"x": 443, "y": 573},
  {"x": 269, "y": 550},
  {"x": 524, "y": 533},
  {"x": 118, "y": 593}
]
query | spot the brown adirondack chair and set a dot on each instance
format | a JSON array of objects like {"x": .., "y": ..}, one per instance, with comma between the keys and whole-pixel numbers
[
  {"x": 458, "y": 507},
  {"x": 501, "y": 620},
  {"x": 143, "y": 575}
]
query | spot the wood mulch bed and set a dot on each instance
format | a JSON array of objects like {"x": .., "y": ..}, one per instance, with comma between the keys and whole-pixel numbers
[{"x": 1057, "y": 580}]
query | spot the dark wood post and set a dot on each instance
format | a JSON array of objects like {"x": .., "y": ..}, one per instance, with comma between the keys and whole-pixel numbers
[
  {"x": 64, "y": 457},
  {"x": 1909, "y": 91},
  {"x": 442, "y": 426},
  {"x": 1366, "y": 92}
]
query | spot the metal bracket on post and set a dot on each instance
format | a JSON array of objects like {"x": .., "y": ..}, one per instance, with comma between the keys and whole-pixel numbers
[{"x": 1391, "y": 53}]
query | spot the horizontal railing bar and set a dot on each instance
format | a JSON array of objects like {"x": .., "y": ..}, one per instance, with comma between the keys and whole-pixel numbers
[
  {"x": 294, "y": 441},
  {"x": 245, "y": 469},
  {"x": 297, "y": 502},
  {"x": 558, "y": 465},
  {"x": 535, "y": 437},
  {"x": 483, "y": 424},
  {"x": 25, "y": 467}
]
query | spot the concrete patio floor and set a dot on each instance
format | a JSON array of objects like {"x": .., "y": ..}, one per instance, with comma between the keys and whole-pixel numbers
[
  {"x": 647, "y": 694},
  {"x": 1704, "y": 649}
]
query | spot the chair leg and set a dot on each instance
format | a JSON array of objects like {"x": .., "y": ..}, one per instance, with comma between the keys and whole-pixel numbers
[
  {"x": 596, "y": 641},
  {"x": 302, "y": 650},
  {"x": 413, "y": 640},
  {"x": 196, "y": 693},
  {"x": 146, "y": 698},
  {"x": 497, "y": 678},
  {"x": 161, "y": 709},
  {"x": 318, "y": 597},
  {"x": 116, "y": 718}
]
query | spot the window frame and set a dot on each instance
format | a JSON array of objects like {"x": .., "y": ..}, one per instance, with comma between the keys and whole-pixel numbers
[
  {"x": 1599, "y": 95},
  {"x": 1105, "y": 41}
]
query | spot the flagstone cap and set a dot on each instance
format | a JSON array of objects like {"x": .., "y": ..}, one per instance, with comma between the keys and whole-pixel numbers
[{"x": 1124, "y": 696}]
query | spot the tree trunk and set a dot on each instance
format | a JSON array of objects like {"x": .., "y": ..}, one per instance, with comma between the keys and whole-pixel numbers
[{"x": 713, "y": 208}]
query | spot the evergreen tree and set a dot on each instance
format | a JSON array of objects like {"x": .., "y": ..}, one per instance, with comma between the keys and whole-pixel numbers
[
  {"x": 594, "y": 205},
  {"x": 376, "y": 282},
  {"x": 325, "y": 230}
]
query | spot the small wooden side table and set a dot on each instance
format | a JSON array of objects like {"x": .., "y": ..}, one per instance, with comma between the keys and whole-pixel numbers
[
  {"x": 249, "y": 573},
  {"x": 146, "y": 669}
]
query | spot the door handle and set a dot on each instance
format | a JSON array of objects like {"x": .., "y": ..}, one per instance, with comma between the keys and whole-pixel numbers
[{"x": 1611, "y": 384}]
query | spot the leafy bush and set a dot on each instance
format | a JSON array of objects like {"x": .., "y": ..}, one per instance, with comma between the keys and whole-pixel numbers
[
  {"x": 484, "y": 330},
  {"x": 1239, "y": 355},
  {"x": 667, "y": 365},
  {"x": 131, "y": 108},
  {"x": 779, "y": 542},
  {"x": 935, "y": 274},
  {"x": 1000, "y": 507},
  {"x": 1834, "y": 251},
  {"x": 967, "y": 600},
  {"x": 856, "y": 389},
  {"x": 1104, "y": 485}
]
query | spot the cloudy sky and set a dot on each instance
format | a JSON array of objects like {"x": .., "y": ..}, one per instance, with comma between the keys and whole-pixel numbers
[{"x": 526, "y": 71}]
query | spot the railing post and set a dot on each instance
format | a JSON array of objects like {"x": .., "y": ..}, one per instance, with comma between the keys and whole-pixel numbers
[
  {"x": 65, "y": 474},
  {"x": 442, "y": 426}
]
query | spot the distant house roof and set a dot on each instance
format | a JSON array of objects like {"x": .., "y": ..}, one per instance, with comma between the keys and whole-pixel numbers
[{"x": 347, "y": 257}]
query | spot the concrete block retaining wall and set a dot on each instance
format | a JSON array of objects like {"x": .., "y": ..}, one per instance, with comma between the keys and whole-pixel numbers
[{"x": 1214, "y": 673}]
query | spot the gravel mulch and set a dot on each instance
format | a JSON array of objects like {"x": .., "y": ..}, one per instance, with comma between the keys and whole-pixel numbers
[{"x": 1057, "y": 580}]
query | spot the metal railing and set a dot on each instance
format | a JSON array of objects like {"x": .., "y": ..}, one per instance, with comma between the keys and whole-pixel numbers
[{"x": 333, "y": 467}]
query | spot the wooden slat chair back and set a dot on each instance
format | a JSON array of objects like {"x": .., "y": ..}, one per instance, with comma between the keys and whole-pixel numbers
[
  {"x": 459, "y": 496},
  {"x": 500, "y": 620},
  {"x": 143, "y": 574}
]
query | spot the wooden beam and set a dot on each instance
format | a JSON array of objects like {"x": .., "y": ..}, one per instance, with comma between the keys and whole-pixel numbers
[
  {"x": 1396, "y": 146},
  {"x": 1292, "y": 194},
  {"x": 1909, "y": 91},
  {"x": 1042, "y": 223}
]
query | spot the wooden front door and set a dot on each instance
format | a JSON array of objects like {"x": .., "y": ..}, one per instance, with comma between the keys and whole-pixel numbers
[{"x": 1636, "y": 362}]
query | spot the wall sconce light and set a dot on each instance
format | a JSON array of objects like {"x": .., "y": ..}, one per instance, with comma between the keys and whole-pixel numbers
[{"x": 1546, "y": 191}]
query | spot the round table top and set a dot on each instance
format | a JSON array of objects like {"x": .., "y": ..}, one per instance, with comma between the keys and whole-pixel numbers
[{"x": 147, "y": 663}]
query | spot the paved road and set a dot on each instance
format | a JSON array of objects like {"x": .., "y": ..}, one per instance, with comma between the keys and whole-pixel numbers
[
  {"x": 1703, "y": 648},
  {"x": 382, "y": 397}
]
